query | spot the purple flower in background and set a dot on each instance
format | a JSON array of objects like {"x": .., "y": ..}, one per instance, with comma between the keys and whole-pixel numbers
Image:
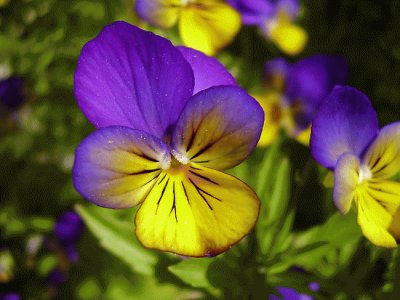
[
  {"x": 169, "y": 120},
  {"x": 11, "y": 92},
  {"x": 346, "y": 138},
  {"x": 294, "y": 93},
  {"x": 10, "y": 296},
  {"x": 275, "y": 18},
  {"x": 68, "y": 229},
  {"x": 289, "y": 294}
]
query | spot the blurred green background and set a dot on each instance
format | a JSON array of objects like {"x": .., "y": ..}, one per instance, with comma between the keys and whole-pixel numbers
[{"x": 40, "y": 40}]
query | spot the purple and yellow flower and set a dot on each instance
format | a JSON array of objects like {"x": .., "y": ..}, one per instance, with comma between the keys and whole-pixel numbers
[
  {"x": 275, "y": 18},
  {"x": 294, "y": 93},
  {"x": 169, "y": 120},
  {"x": 206, "y": 25},
  {"x": 346, "y": 139}
]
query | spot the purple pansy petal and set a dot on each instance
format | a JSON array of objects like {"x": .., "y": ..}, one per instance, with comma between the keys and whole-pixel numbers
[
  {"x": 346, "y": 122},
  {"x": 253, "y": 12},
  {"x": 69, "y": 228},
  {"x": 130, "y": 77},
  {"x": 11, "y": 92},
  {"x": 10, "y": 296},
  {"x": 219, "y": 127},
  {"x": 117, "y": 166},
  {"x": 311, "y": 79},
  {"x": 289, "y": 293},
  {"x": 207, "y": 70}
]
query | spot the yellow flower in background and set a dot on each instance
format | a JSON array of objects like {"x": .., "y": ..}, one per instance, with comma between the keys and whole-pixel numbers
[
  {"x": 205, "y": 25},
  {"x": 294, "y": 92},
  {"x": 276, "y": 19}
]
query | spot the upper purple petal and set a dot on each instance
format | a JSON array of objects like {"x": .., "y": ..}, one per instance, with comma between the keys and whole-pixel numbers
[
  {"x": 289, "y": 7},
  {"x": 311, "y": 79},
  {"x": 275, "y": 72},
  {"x": 207, "y": 70},
  {"x": 346, "y": 122},
  {"x": 130, "y": 77}
]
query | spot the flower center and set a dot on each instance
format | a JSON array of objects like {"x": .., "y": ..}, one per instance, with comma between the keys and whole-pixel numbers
[{"x": 364, "y": 174}]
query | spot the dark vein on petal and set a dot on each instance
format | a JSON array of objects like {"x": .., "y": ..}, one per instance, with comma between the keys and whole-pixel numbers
[
  {"x": 203, "y": 177},
  {"x": 173, "y": 208},
  {"x": 150, "y": 180},
  {"x": 184, "y": 190},
  {"x": 201, "y": 195},
  {"x": 162, "y": 179},
  {"x": 162, "y": 194},
  {"x": 143, "y": 172}
]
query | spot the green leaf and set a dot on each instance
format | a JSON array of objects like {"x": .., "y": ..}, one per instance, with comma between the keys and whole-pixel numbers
[
  {"x": 193, "y": 272},
  {"x": 273, "y": 210},
  {"x": 118, "y": 238}
]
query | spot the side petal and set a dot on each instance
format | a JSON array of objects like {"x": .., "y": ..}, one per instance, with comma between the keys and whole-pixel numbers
[
  {"x": 130, "y": 77},
  {"x": 219, "y": 127},
  {"x": 208, "y": 26},
  {"x": 374, "y": 220},
  {"x": 116, "y": 167},
  {"x": 383, "y": 156},
  {"x": 159, "y": 13},
  {"x": 345, "y": 122},
  {"x": 313, "y": 78},
  {"x": 345, "y": 181},
  {"x": 207, "y": 70},
  {"x": 196, "y": 211}
]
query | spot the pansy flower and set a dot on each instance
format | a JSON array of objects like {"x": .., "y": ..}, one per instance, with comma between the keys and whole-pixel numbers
[
  {"x": 206, "y": 25},
  {"x": 169, "y": 120},
  {"x": 293, "y": 93},
  {"x": 275, "y": 18},
  {"x": 346, "y": 139},
  {"x": 289, "y": 294}
]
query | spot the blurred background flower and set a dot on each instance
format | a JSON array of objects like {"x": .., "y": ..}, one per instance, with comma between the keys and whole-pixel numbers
[
  {"x": 205, "y": 25},
  {"x": 276, "y": 20},
  {"x": 294, "y": 92}
]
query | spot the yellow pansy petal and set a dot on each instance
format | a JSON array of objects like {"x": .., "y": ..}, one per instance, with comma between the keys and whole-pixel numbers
[
  {"x": 374, "y": 220},
  {"x": 270, "y": 103},
  {"x": 196, "y": 211},
  {"x": 304, "y": 136},
  {"x": 289, "y": 37},
  {"x": 208, "y": 26},
  {"x": 387, "y": 193},
  {"x": 160, "y": 13},
  {"x": 383, "y": 156},
  {"x": 346, "y": 180}
]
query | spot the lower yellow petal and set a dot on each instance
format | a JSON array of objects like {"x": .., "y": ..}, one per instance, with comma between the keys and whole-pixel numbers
[
  {"x": 208, "y": 26},
  {"x": 374, "y": 220},
  {"x": 196, "y": 211}
]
